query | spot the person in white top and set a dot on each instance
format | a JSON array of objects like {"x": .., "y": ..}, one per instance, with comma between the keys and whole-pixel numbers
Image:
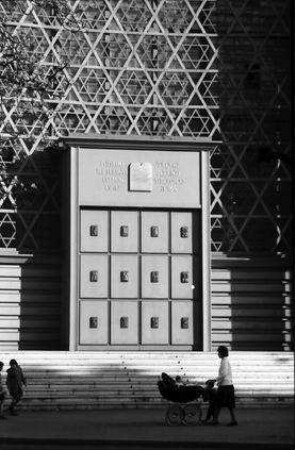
[{"x": 225, "y": 396}]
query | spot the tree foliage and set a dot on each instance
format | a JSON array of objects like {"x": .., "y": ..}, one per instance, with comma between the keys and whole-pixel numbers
[{"x": 26, "y": 81}]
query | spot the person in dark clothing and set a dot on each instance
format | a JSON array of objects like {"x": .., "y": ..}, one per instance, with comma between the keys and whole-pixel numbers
[
  {"x": 2, "y": 394},
  {"x": 15, "y": 381}
]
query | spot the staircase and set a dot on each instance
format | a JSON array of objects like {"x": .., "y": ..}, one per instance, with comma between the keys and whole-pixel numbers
[{"x": 92, "y": 380}]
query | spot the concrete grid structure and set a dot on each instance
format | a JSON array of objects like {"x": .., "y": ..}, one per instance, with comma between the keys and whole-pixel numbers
[{"x": 217, "y": 70}]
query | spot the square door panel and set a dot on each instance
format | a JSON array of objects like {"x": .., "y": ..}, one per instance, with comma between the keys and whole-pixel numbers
[
  {"x": 154, "y": 232},
  {"x": 155, "y": 323},
  {"x": 182, "y": 276},
  {"x": 93, "y": 322},
  {"x": 124, "y": 276},
  {"x": 181, "y": 232},
  {"x": 182, "y": 323},
  {"x": 154, "y": 276},
  {"x": 94, "y": 234},
  {"x": 124, "y": 231},
  {"x": 124, "y": 320},
  {"x": 94, "y": 276}
]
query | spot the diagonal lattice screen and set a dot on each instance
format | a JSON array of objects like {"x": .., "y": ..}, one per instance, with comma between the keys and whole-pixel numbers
[
  {"x": 250, "y": 182},
  {"x": 195, "y": 68}
]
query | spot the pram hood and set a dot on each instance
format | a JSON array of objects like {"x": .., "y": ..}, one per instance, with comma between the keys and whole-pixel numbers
[{"x": 173, "y": 392}]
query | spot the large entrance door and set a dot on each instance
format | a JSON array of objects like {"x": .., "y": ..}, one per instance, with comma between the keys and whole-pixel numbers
[{"x": 139, "y": 278}]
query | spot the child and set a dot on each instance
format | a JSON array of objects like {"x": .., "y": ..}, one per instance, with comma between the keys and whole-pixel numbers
[
  {"x": 2, "y": 394},
  {"x": 209, "y": 396},
  {"x": 178, "y": 381},
  {"x": 15, "y": 381}
]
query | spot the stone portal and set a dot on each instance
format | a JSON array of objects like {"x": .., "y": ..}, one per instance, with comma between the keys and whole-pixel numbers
[{"x": 139, "y": 244}]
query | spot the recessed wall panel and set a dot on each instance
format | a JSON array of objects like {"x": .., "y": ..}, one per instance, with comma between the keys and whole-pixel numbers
[
  {"x": 155, "y": 323},
  {"x": 94, "y": 276},
  {"x": 181, "y": 232},
  {"x": 182, "y": 323},
  {"x": 154, "y": 234},
  {"x": 94, "y": 231},
  {"x": 93, "y": 322},
  {"x": 124, "y": 276},
  {"x": 154, "y": 276},
  {"x": 124, "y": 322},
  {"x": 124, "y": 235},
  {"x": 182, "y": 283}
]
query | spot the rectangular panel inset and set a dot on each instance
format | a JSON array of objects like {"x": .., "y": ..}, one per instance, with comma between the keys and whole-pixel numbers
[
  {"x": 93, "y": 230},
  {"x": 154, "y": 276},
  {"x": 124, "y": 231},
  {"x": 182, "y": 276},
  {"x": 93, "y": 322},
  {"x": 155, "y": 323},
  {"x": 124, "y": 322},
  {"x": 181, "y": 232},
  {"x": 94, "y": 234},
  {"x": 93, "y": 276},
  {"x": 184, "y": 232},
  {"x": 124, "y": 277},
  {"x": 154, "y": 232},
  {"x": 182, "y": 323}
]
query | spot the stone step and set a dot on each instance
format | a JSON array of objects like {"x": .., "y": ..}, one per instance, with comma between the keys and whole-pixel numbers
[
  {"x": 137, "y": 356},
  {"x": 91, "y": 380}
]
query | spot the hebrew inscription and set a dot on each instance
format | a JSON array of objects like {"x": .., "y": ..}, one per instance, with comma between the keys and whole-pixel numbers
[
  {"x": 113, "y": 174},
  {"x": 117, "y": 175}
]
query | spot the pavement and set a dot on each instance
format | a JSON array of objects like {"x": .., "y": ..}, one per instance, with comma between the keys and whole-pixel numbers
[{"x": 267, "y": 428}]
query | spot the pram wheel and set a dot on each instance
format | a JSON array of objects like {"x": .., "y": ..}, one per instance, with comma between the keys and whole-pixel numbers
[
  {"x": 174, "y": 415},
  {"x": 192, "y": 414}
]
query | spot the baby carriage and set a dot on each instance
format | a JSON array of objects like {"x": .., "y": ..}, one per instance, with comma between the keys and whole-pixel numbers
[{"x": 185, "y": 406}]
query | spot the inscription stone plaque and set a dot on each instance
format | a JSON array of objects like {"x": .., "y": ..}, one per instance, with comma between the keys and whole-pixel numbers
[
  {"x": 140, "y": 177},
  {"x": 131, "y": 178}
]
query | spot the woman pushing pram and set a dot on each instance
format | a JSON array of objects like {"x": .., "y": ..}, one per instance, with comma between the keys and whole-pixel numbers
[{"x": 174, "y": 390}]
